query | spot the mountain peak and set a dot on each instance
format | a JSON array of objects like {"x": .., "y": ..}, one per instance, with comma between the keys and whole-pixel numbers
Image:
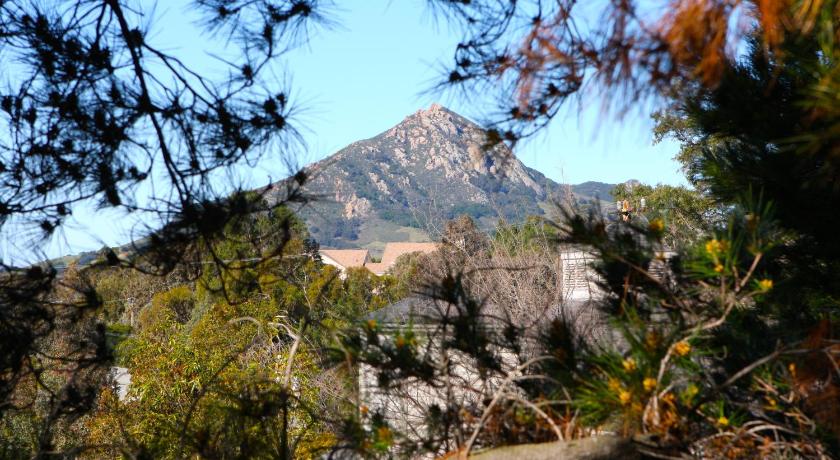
[
  {"x": 437, "y": 114},
  {"x": 435, "y": 107},
  {"x": 433, "y": 161},
  {"x": 454, "y": 145}
]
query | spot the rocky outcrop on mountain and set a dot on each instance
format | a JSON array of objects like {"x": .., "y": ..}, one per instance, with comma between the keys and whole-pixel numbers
[{"x": 430, "y": 167}]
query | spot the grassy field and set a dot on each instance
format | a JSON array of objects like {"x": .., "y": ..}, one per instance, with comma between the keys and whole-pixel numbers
[{"x": 375, "y": 233}]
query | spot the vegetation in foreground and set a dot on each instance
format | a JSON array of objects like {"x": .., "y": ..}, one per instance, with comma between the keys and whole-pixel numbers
[{"x": 726, "y": 350}]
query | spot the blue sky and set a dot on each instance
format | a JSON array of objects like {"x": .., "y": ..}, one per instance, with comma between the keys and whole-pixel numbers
[{"x": 367, "y": 73}]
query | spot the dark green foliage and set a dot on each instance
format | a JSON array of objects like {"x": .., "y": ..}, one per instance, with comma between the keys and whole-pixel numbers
[
  {"x": 208, "y": 356},
  {"x": 93, "y": 109},
  {"x": 756, "y": 132},
  {"x": 474, "y": 210},
  {"x": 685, "y": 214},
  {"x": 114, "y": 335},
  {"x": 517, "y": 237},
  {"x": 401, "y": 216},
  {"x": 736, "y": 337}
]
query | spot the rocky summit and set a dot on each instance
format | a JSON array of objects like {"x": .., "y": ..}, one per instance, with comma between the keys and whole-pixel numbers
[{"x": 403, "y": 183}]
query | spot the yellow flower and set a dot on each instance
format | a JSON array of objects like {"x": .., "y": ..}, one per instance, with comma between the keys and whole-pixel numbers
[
  {"x": 792, "y": 369},
  {"x": 649, "y": 383},
  {"x": 691, "y": 391},
  {"x": 656, "y": 225},
  {"x": 715, "y": 246},
  {"x": 371, "y": 324},
  {"x": 364, "y": 410},
  {"x": 613, "y": 384},
  {"x": 718, "y": 268},
  {"x": 629, "y": 364},
  {"x": 712, "y": 246},
  {"x": 723, "y": 421},
  {"x": 652, "y": 340},
  {"x": 624, "y": 396},
  {"x": 383, "y": 433},
  {"x": 400, "y": 342},
  {"x": 765, "y": 285},
  {"x": 682, "y": 348}
]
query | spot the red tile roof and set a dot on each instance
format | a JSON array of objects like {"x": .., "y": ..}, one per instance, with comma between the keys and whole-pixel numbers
[
  {"x": 394, "y": 250},
  {"x": 346, "y": 258}
]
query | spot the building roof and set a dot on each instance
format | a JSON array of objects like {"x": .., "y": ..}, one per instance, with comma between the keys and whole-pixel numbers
[
  {"x": 346, "y": 257},
  {"x": 394, "y": 250}
]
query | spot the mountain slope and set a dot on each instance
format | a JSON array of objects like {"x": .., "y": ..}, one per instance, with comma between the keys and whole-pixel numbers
[{"x": 403, "y": 183}]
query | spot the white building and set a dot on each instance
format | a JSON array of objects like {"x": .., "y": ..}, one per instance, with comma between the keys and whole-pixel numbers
[{"x": 406, "y": 405}]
